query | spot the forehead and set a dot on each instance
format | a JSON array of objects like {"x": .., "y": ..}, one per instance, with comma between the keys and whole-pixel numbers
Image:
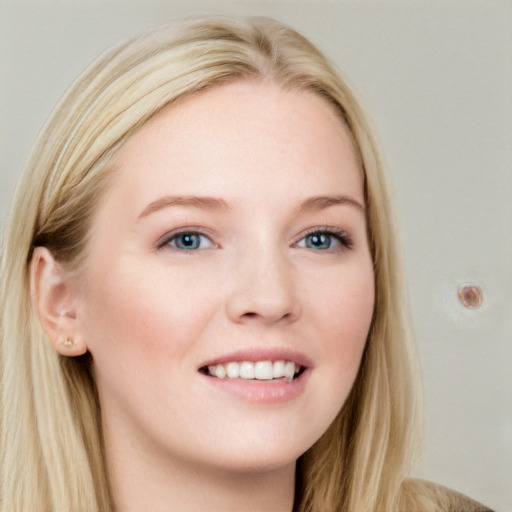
[{"x": 241, "y": 133}]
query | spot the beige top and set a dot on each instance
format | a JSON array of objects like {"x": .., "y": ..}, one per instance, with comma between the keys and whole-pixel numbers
[
  {"x": 461, "y": 503},
  {"x": 447, "y": 500}
]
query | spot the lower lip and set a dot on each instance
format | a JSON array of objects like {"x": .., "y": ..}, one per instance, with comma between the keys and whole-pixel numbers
[{"x": 261, "y": 391}]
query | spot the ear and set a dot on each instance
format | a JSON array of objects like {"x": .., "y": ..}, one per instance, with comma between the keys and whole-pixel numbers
[{"x": 55, "y": 301}]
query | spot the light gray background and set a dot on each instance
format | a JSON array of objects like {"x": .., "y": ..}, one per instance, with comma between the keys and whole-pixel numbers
[{"x": 437, "y": 78}]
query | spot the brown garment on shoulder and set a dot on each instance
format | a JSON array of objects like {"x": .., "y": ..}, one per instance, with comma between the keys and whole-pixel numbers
[
  {"x": 427, "y": 493},
  {"x": 461, "y": 503}
]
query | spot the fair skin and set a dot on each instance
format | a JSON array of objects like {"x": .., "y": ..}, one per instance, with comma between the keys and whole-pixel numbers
[{"x": 232, "y": 231}]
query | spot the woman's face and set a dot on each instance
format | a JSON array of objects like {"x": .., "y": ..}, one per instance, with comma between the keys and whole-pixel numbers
[{"x": 232, "y": 240}]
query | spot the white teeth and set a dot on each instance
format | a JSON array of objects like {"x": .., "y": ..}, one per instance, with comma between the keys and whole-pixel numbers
[
  {"x": 278, "y": 369},
  {"x": 233, "y": 370},
  {"x": 264, "y": 370},
  {"x": 247, "y": 370},
  {"x": 259, "y": 370},
  {"x": 220, "y": 371},
  {"x": 289, "y": 370}
]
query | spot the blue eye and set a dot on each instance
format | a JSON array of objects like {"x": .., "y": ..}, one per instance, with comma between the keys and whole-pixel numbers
[
  {"x": 323, "y": 240},
  {"x": 189, "y": 241},
  {"x": 319, "y": 241}
]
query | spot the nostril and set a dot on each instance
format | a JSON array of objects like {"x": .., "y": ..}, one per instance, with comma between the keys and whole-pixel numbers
[
  {"x": 251, "y": 307},
  {"x": 252, "y": 315}
]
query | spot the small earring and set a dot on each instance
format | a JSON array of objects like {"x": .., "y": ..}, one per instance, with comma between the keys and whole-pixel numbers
[{"x": 67, "y": 341}]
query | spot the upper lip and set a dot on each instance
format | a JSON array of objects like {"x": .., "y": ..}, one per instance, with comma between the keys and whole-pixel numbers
[{"x": 261, "y": 354}]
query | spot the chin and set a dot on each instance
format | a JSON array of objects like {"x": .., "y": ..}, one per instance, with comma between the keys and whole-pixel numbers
[{"x": 256, "y": 453}]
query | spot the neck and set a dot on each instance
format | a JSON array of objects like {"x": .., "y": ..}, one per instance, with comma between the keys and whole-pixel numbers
[{"x": 142, "y": 484}]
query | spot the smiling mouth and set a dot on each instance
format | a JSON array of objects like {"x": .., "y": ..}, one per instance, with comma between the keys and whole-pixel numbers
[{"x": 278, "y": 371}]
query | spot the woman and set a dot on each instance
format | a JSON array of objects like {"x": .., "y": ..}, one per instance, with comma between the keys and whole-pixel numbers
[{"x": 208, "y": 311}]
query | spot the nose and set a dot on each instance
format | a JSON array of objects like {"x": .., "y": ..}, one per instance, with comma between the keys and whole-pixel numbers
[{"x": 264, "y": 291}]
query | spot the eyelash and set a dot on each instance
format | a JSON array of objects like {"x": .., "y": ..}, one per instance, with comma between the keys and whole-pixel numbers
[
  {"x": 339, "y": 235},
  {"x": 167, "y": 239}
]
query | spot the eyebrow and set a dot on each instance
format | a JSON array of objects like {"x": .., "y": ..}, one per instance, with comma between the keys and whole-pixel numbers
[
  {"x": 213, "y": 203},
  {"x": 205, "y": 203},
  {"x": 321, "y": 202}
]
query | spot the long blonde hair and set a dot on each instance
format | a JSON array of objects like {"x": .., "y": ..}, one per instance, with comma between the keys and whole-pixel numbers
[{"x": 51, "y": 441}]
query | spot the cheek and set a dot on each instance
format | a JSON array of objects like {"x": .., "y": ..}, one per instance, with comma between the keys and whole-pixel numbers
[
  {"x": 344, "y": 314},
  {"x": 340, "y": 313},
  {"x": 132, "y": 323}
]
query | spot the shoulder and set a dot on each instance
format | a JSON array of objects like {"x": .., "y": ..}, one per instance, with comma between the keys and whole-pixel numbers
[
  {"x": 461, "y": 503},
  {"x": 447, "y": 500}
]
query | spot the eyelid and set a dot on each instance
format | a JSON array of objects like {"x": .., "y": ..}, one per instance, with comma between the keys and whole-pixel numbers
[
  {"x": 164, "y": 240},
  {"x": 341, "y": 235}
]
